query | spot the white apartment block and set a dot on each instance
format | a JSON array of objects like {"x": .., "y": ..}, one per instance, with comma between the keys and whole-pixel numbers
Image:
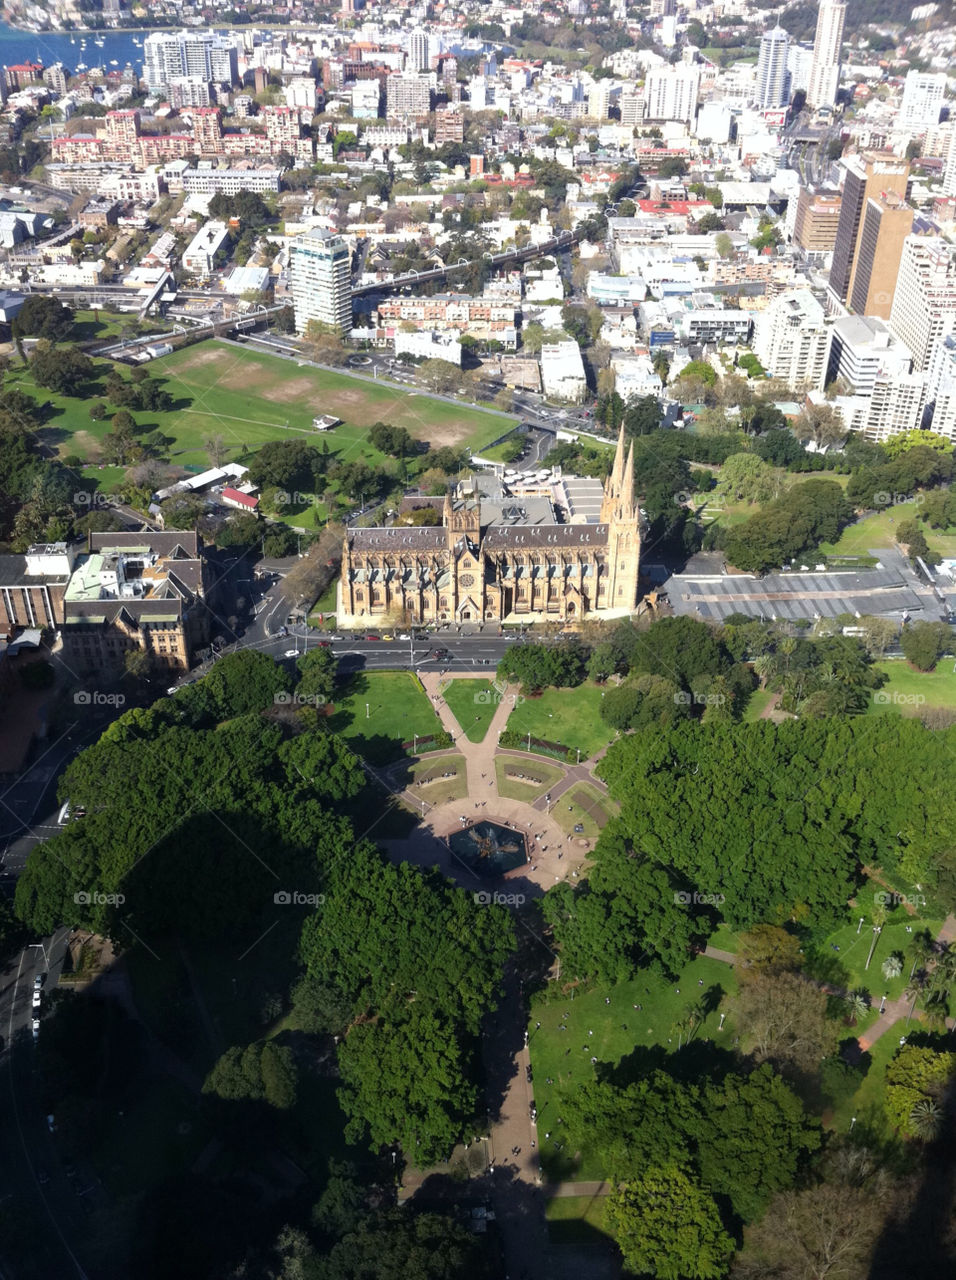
[
  {"x": 894, "y": 406},
  {"x": 941, "y": 388},
  {"x": 199, "y": 256},
  {"x": 924, "y": 305},
  {"x": 670, "y": 93},
  {"x": 562, "y": 371},
  {"x": 923, "y": 97},
  {"x": 209, "y": 181},
  {"x": 791, "y": 340},
  {"x": 825, "y": 69},
  {"x": 322, "y": 281},
  {"x": 862, "y": 349}
]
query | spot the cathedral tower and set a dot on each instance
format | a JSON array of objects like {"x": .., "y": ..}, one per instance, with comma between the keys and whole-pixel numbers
[{"x": 619, "y": 512}]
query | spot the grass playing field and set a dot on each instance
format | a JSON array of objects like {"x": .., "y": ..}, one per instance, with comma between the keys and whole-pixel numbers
[
  {"x": 247, "y": 397},
  {"x": 604, "y": 1023},
  {"x": 382, "y": 709},
  {"x": 879, "y": 530},
  {"x": 472, "y": 703},
  {"x": 569, "y": 716},
  {"x": 907, "y": 690}
]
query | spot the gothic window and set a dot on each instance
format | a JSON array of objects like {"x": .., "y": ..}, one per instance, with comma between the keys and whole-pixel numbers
[{"x": 467, "y": 580}]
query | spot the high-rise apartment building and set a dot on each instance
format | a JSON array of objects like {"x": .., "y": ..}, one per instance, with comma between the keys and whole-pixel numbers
[
  {"x": 207, "y": 130},
  {"x": 418, "y": 52},
  {"x": 322, "y": 281},
  {"x": 773, "y": 78},
  {"x": 949, "y": 173},
  {"x": 817, "y": 219},
  {"x": 863, "y": 350},
  {"x": 632, "y": 108},
  {"x": 887, "y": 221},
  {"x": 924, "y": 305},
  {"x": 670, "y": 93},
  {"x": 866, "y": 178},
  {"x": 825, "y": 71},
  {"x": 923, "y": 97},
  {"x": 408, "y": 95},
  {"x": 791, "y": 340},
  {"x": 941, "y": 388},
  {"x": 169, "y": 55}
]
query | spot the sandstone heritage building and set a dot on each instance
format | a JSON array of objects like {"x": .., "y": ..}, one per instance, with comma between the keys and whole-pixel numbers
[{"x": 561, "y": 550}]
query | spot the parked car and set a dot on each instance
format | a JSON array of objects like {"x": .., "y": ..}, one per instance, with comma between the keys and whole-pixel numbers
[
  {"x": 38, "y": 982},
  {"x": 371, "y": 637},
  {"x": 291, "y": 653},
  {"x": 36, "y": 1029},
  {"x": 37, "y": 999}
]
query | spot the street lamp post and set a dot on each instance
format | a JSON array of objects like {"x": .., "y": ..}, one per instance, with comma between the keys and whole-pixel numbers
[{"x": 366, "y": 711}]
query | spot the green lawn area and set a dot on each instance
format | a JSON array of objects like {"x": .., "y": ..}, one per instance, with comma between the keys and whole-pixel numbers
[
  {"x": 536, "y": 777},
  {"x": 760, "y": 699},
  {"x": 846, "y": 967},
  {"x": 619, "y": 1031},
  {"x": 472, "y": 703},
  {"x": 908, "y": 690},
  {"x": 428, "y": 780},
  {"x": 157, "y": 1135},
  {"x": 499, "y": 452},
  {"x": 569, "y": 716},
  {"x": 879, "y": 530},
  {"x": 584, "y": 805},
  {"x": 576, "y": 1220},
  {"x": 325, "y": 605},
  {"x": 248, "y": 397},
  {"x": 380, "y": 710}
]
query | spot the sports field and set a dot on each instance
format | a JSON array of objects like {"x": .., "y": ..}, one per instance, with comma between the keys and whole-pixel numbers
[{"x": 247, "y": 397}]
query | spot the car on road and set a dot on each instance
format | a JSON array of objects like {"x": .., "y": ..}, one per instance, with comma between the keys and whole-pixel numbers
[
  {"x": 37, "y": 999},
  {"x": 291, "y": 653},
  {"x": 388, "y": 637},
  {"x": 37, "y": 981},
  {"x": 371, "y": 637},
  {"x": 36, "y": 1029},
  {"x": 439, "y": 654}
]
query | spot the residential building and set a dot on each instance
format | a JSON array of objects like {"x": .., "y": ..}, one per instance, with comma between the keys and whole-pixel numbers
[
  {"x": 209, "y": 181},
  {"x": 631, "y": 108},
  {"x": 825, "y": 70},
  {"x": 431, "y": 346},
  {"x": 33, "y": 586},
  {"x": 865, "y": 177},
  {"x": 207, "y": 131},
  {"x": 924, "y": 304},
  {"x": 21, "y": 74},
  {"x": 817, "y": 220},
  {"x": 408, "y": 95},
  {"x": 449, "y": 127},
  {"x": 169, "y": 55},
  {"x": 481, "y": 317},
  {"x": 322, "y": 281},
  {"x": 562, "y": 371},
  {"x": 897, "y": 404},
  {"x": 56, "y": 77},
  {"x": 499, "y": 556},
  {"x": 861, "y": 351},
  {"x": 132, "y": 592},
  {"x": 189, "y": 91},
  {"x": 773, "y": 78},
  {"x": 791, "y": 340},
  {"x": 887, "y": 222},
  {"x": 941, "y": 388},
  {"x": 418, "y": 52},
  {"x": 924, "y": 94},
  {"x": 670, "y": 93},
  {"x": 949, "y": 174},
  {"x": 199, "y": 256}
]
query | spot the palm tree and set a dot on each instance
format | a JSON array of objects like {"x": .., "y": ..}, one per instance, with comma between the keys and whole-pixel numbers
[
  {"x": 926, "y": 1119},
  {"x": 892, "y": 966},
  {"x": 859, "y": 1003},
  {"x": 921, "y": 949},
  {"x": 765, "y": 666}
]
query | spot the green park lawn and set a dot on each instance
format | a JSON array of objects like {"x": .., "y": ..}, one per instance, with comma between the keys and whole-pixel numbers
[
  {"x": 759, "y": 700},
  {"x": 619, "y": 1031},
  {"x": 846, "y": 967},
  {"x": 536, "y": 777},
  {"x": 569, "y": 716},
  {"x": 429, "y": 783},
  {"x": 907, "y": 690},
  {"x": 576, "y": 1220},
  {"x": 247, "y": 398},
  {"x": 472, "y": 703},
  {"x": 397, "y": 709},
  {"x": 879, "y": 530},
  {"x": 585, "y": 806}
]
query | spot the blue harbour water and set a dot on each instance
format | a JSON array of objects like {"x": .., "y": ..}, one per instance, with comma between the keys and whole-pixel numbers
[{"x": 49, "y": 47}]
